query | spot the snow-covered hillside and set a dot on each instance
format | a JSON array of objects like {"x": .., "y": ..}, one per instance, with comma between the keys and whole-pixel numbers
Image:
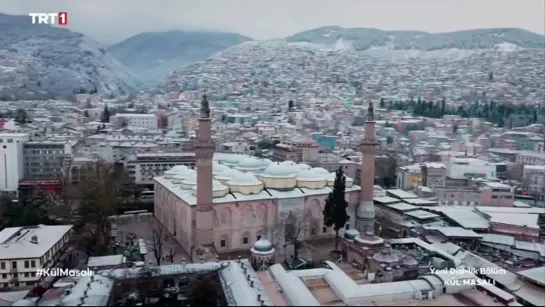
[{"x": 40, "y": 62}]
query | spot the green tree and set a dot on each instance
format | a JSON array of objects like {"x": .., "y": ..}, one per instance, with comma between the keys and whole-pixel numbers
[
  {"x": 105, "y": 116},
  {"x": 290, "y": 105},
  {"x": 382, "y": 103},
  {"x": 21, "y": 116},
  {"x": 335, "y": 207},
  {"x": 27, "y": 211}
]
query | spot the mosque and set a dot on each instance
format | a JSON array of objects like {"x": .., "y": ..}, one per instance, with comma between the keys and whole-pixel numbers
[{"x": 231, "y": 201}]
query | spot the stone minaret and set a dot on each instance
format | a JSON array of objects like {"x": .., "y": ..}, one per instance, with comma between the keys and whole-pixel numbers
[
  {"x": 365, "y": 214},
  {"x": 204, "y": 219}
]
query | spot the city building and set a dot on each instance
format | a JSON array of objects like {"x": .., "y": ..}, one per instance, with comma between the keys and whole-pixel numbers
[
  {"x": 531, "y": 158},
  {"x": 12, "y": 165},
  {"x": 408, "y": 177},
  {"x": 142, "y": 167},
  {"x": 44, "y": 159},
  {"x": 298, "y": 150},
  {"x": 27, "y": 249},
  {"x": 476, "y": 193},
  {"x": 146, "y": 121},
  {"x": 533, "y": 180},
  {"x": 469, "y": 167}
]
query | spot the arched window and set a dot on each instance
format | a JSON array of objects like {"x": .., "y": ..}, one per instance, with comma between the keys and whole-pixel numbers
[
  {"x": 226, "y": 216},
  {"x": 248, "y": 215},
  {"x": 262, "y": 214},
  {"x": 290, "y": 227}
]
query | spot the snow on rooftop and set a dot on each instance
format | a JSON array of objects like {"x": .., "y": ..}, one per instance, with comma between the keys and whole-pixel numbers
[
  {"x": 498, "y": 239},
  {"x": 401, "y": 194},
  {"x": 421, "y": 214},
  {"x": 244, "y": 288},
  {"x": 386, "y": 200},
  {"x": 530, "y": 210},
  {"x": 516, "y": 219},
  {"x": 463, "y": 216},
  {"x": 402, "y": 207},
  {"x": 455, "y": 232},
  {"x": 535, "y": 274},
  {"x": 100, "y": 261},
  {"x": 15, "y": 242}
]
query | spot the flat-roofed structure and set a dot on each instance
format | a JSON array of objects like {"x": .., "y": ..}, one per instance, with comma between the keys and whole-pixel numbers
[
  {"x": 400, "y": 194},
  {"x": 24, "y": 250}
]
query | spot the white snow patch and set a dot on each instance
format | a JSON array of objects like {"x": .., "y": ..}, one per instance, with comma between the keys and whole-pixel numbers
[
  {"x": 507, "y": 47},
  {"x": 342, "y": 44},
  {"x": 328, "y": 34}
]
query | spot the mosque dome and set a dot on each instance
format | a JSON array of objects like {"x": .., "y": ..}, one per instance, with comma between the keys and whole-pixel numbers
[
  {"x": 218, "y": 168},
  {"x": 311, "y": 180},
  {"x": 288, "y": 163},
  {"x": 179, "y": 169},
  {"x": 321, "y": 170},
  {"x": 351, "y": 234},
  {"x": 250, "y": 164},
  {"x": 220, "y": 172},
  {"x": 267, "y": 161},
  {"x": 279, "y": 170},
  {"x": 311, "y": 175},
  {"x": 245, "y": 183},
  {"x": 190, "y": 180},
  {"x": 177, "y": 179},
  {"x": 169, "y": 174},
  {"x": 303, "y": 167},
  {"x": 218, "y": 189},
  {"x": 244, "y": 179},
  {"x": 279, "y": 176},
  {"x": 386, "y": 255},
  {"x": 262, "y": 246},
  {"x": 331, "y": 180},
  {"x": 233, "y": 160}
]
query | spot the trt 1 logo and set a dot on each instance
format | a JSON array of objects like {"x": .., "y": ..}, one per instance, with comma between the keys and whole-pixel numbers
[{"x": 60, "y": 18}]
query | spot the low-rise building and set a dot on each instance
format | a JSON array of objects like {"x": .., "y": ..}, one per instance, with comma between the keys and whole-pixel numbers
[
  {"x": 147, "y": 121},
  {"x": 533, "y": 180},
  {"x": 142, "y": 167},
  {"x": 25, "y": 250}
]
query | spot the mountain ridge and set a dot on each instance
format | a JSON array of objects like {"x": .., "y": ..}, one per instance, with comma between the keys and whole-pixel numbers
[
  {"x": 44, "y": 62},
  {"x": 365, "y": 38},
  {"x": 152, "y": 55}
]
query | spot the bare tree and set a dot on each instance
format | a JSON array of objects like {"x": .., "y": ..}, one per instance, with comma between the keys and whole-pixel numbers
[
  {"x": 101, "y": 194},
  {"x": 158, "y": 239},
  {"x": 64, "y": 204},
  {"x": 293, "y": 227}
]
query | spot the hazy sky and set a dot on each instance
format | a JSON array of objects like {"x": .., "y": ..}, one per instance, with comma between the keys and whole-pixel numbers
[{"x": 113, "y": 20}]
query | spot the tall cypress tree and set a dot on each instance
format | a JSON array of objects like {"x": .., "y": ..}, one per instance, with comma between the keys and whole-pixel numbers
[
  {"x": 105, "y": 117},
  {"x": 335, "y": 207}
]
